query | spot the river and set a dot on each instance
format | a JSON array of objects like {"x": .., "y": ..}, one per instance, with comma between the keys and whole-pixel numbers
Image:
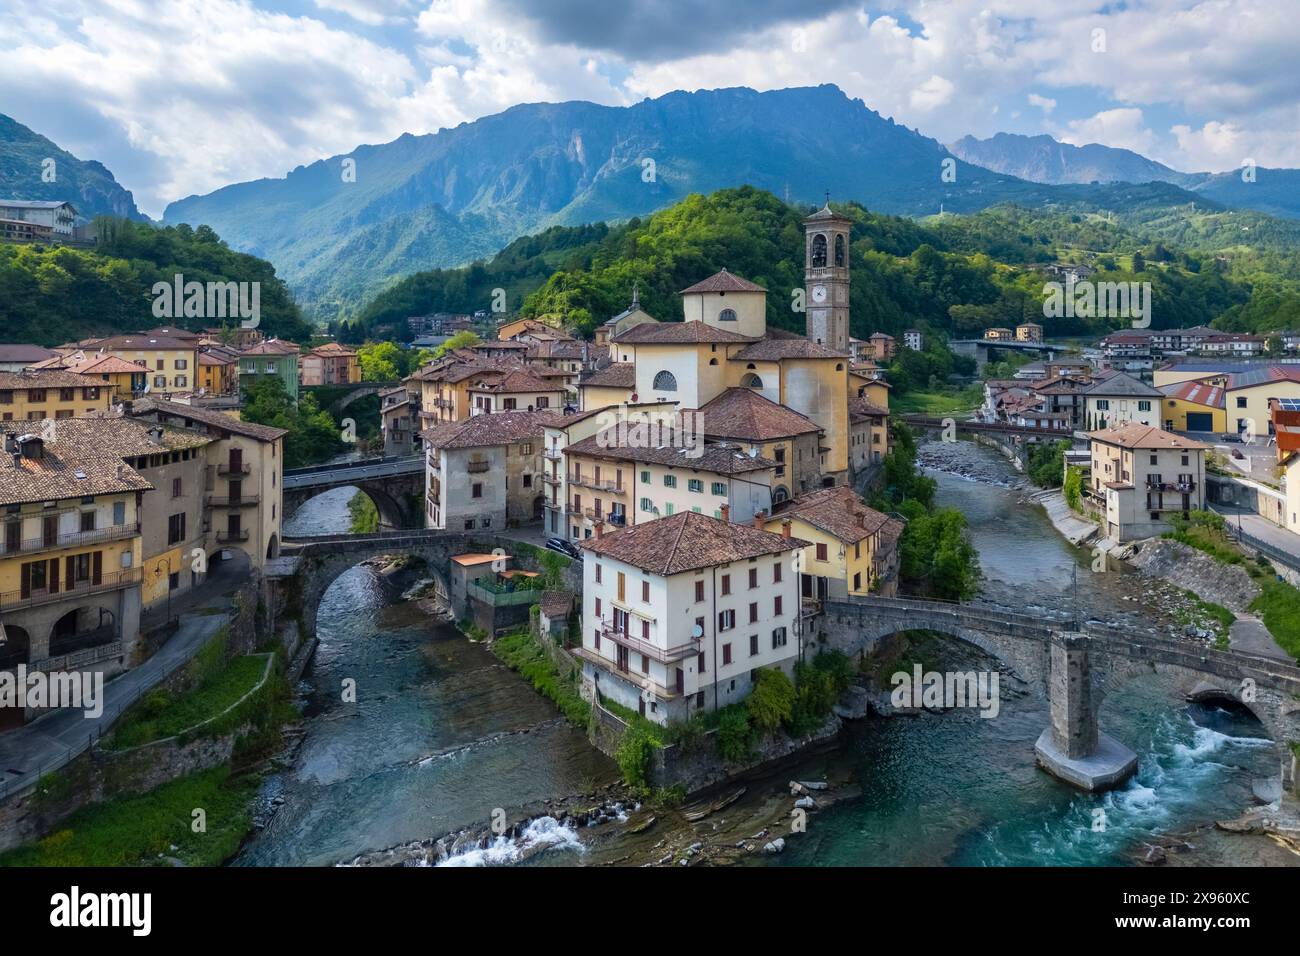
[{"x": 443, "y": 734}]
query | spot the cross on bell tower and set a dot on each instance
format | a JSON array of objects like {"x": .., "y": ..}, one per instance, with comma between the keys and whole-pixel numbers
[{"x": 826, "y": 277}]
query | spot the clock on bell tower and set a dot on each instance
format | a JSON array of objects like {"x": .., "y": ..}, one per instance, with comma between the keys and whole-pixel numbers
[{"x": 826, "y": 278}]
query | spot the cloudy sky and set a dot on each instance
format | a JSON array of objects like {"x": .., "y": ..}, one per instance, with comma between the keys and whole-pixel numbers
[{"x": 184, "y": 96}]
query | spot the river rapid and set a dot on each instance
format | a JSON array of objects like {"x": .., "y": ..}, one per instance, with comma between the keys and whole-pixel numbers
[{"x": 441, "y": 734}]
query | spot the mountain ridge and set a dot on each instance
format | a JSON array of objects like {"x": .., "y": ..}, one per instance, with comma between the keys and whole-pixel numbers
[{"x": 86, "y": 183}]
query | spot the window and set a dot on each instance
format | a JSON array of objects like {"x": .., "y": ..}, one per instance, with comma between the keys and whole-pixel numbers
[
  {"x": 1241, "y": 401},
  {"x": 598, "y": 574},
  {"x": 778, "y": 637},
  {"x": 695, "y": 484},
  {"x": 665, "y": 381},
  {"x": 776, "y": 573},
  {"x": 622, "y": 586},
  {"x": 753, "y": 645},
  {"x": 727, "y": 315},
  {"x": 1144, "y": 406},
  {"x": 777, "y": 605},
  {"x": 753, "y": 612},
  {"x": 647, "y": 504},
  {"x": 818, "y": 252},
  {"x": 726, "y": 654},
  {"x": 753, "y": 577},
  {"x": 699, "y": 591},
  {"x": 645, "y": 477},
  {"x": 119, "y": 512},
  {"x": 176, "y": 528},
  {"x": 670, "y": 481},
  {"x": 645, "y": 591},
  {"x": 720, "y": 488},
  {"x": 477, "y": 490},
  {"x": 726, "y": 620},
  {"x": 181, "y": 365},
  {"x": 67, "y": 395},
  {"x": 1102, "y": 404},
  {"x": 597, "y": 607},
  {"x": 528, "y": 481},
  {"x": 839, "y": 250},
  {"x": 726, "y": 584},
  {"x": 821, "y": 552},
  {"x": 176, "y": 487},
  {"x": 88, "y": 521}
]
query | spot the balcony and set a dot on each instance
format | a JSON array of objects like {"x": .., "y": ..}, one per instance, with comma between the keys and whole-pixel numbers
[
  {"x": 664, "y": 655},
  {"x": 1183, "y": 487},
  {"x": 588, "y": 482},
  {"x": 108, "y": 582},
  {"x": 555, "y": 454},
  {"x": 640, "y": 680},
  {"x": 231, "y": 537},
  {"x": 234, "y": 468},
  {"x": 572, "y": 509},
  {"x": 242, "y": 501},
  {"x": 478, "y": 467},
  {"x": 551, "y": 479},
  {"x": 617, "y": 518},
  {"x": 444, "y": 403},
  {"x": 71, "y": 539}
]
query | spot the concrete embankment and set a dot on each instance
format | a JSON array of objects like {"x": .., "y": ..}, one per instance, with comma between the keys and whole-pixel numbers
[{"x": 1076, "y": 530}]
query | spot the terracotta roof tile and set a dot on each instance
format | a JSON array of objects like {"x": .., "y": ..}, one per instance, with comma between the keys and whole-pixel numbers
[
  {"x": 723, "y": 281},
  {"x": 838, "y": 511},
  {"x": 482, "y": 431},
  {"x": 634, "y": 443},
  {"x": 687, "y": 541},
  {"x": 679, "y": 333},
  {"x": 745, "y": 414}
]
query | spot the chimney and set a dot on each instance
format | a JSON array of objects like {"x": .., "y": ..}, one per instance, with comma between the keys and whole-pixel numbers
[
  {"x": 600, "y": 529},
  {"x": 785, "y": 529},
  {"x": 759, "y": 519},
  {"x": 726, "y": 512},
  {"x": 864, "y": 520}
]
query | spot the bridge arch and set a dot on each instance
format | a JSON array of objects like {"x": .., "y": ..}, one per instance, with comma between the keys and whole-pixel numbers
[
  {"x": 320, "y": 562},
  {"x": 394, "y": 504}
]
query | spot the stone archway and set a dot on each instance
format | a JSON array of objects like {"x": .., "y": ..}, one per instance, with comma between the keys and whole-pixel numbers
[{"x": 82, "y": 627}]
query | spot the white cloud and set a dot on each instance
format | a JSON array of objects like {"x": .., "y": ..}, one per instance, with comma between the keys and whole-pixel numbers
[
  {"x": 187, "y": 96},
  {"x": 1044, "y": 103},
  {"x": 1122, "y": 128}
]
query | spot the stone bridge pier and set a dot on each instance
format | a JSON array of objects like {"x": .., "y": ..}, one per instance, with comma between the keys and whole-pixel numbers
[
  {"x": 1072, "y": 747},
  {"x": 1075, "y": 671}
]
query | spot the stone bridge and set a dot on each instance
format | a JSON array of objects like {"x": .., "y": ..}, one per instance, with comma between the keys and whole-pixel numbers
[
  {"x": 395, "y": 485},
  {"x": 355, "y": 391},
  {"x": 310, "y": 565},
  {"x": 1077, "y": 669}
]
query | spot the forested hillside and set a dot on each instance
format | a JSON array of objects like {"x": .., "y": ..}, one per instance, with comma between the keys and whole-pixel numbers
[
  {"x": 951, "y": 274},
  {"x": 55, "y": 294}
]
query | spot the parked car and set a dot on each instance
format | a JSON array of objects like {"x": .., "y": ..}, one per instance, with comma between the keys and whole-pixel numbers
[{"x": 564, "y": 547}]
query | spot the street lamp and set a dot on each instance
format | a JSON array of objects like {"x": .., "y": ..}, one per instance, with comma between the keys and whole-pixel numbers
[{"x": 157, "y": 572}]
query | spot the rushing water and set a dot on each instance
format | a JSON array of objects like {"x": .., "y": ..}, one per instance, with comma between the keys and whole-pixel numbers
[
  {"x": 958, "y": 789},
  {"x": 442, "y": 734}
]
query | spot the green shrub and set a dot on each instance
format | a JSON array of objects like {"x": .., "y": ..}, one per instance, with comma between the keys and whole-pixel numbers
[
  {"x": 635, "y": 752},
  {"x": 520, "y": 652},
  {"x": 771, "y": 700},
  {"x": 735, "y": 742}
]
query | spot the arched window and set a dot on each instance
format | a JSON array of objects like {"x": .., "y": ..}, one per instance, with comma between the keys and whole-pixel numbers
[
  {"x": 780, "y": 494},
  {"x": 819, "y": 252},
  {"x": 713, "y": 361},
  {"x": 839, "y": 250},
  {"x": 727, "y": 315},
  {"x": 751, "y": 381},
  {"x": 665, "y": 382},
  {"x": 839, "y": 366}
]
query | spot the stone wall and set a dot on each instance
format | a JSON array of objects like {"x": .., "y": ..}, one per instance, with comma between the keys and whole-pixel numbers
[{"x": 1193, "y": 570}]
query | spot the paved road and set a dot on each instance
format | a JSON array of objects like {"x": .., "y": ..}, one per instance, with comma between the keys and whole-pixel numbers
[
  {"x": 1261, "y": 528},
  {"x": 52, "y": 740}
]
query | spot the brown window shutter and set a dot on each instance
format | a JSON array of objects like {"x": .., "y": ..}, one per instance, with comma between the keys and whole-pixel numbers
[
  {"x": 71, "y": 565},
  {"x": 26, "y": 586},
  {"x": 54, "y": 575},
  {"x": 97, "y": 568}
]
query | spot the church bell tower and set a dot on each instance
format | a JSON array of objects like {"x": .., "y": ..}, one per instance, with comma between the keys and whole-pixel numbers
[{"x": 826, "y": 278}]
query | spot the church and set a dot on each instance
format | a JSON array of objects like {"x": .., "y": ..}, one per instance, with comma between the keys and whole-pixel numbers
[{"x": 723, "y": 346}]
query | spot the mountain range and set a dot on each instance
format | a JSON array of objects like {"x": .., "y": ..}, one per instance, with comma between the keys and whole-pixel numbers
[
  {"x": 26, "y": 172},
  {"x": 342, "y": 230},
  {"x": 1042, "y": 159}
]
